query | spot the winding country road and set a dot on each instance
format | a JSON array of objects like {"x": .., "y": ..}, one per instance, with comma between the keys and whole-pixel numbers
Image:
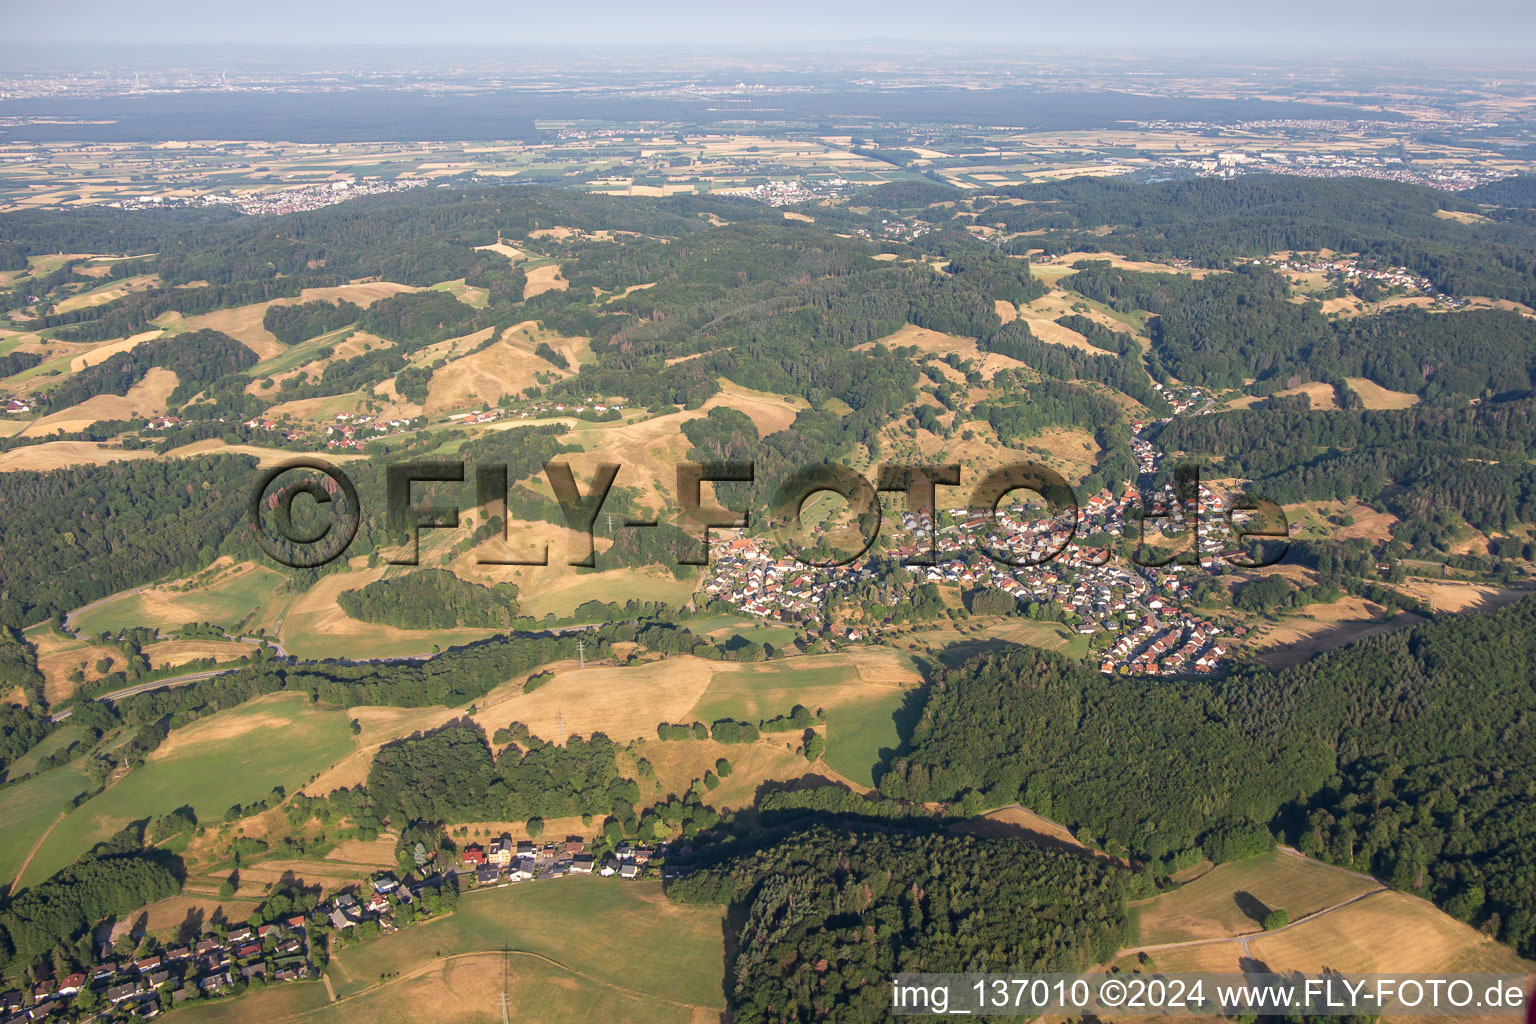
[
  {"x": 156, "y": 684},
  {"x": 192, "y": 677},
  {"x": 69, "y": 618}
]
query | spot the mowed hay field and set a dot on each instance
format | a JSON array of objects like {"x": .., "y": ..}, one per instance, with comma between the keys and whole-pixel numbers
[
  {"x": 1319, "y": 394},
  {"x": 244, "y": 323},
  {"x": 561, "y": 589},
  {"x": 314, "y": 626},
  {"x": 28, "y": 808},
  {"x": 544, "y": 279},
  {"x": 941, "y": 344},
  {"x": 179, "y": 652},
  {"x": 1377, "y": 397},
  {"x": 1212, "y": 904},
  {"x": 679, "y": 763},
  {"x": 862, "y": 692},
  {"x": 234, "y": 756},
  {"x": 768, "y": 412},
  {"x": 1383, "y": 932},
  {"x": 245, "y": 593},
  {"x": 1390, "y": 932},
  {"x": 64, "y": 454},
  {"x": 623, "y": 703},
  {"x": 601, "y": 933},
  {"x": 58, "y": 657},
  {"x": 102, "y": 353},
  {"x": 146, "y": 398},
  {"x": 483, "y": 378}
]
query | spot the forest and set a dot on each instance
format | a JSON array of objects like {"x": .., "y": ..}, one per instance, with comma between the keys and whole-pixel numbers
[
  {"x": 197, "y": 358},
  {"x": 114, "y": 879},
  {"x": 823, "y": 918},
  {"x": 432, "y": 599},
  {"x": 451, "y": 775},
  {"x": 91, "y": 531},
  {"x": 1211, "y": 221},
  {"x": 1223, "y": 329},
  {"x": 1435, "y": 466},
  {"x": 1407, "y": 755}
]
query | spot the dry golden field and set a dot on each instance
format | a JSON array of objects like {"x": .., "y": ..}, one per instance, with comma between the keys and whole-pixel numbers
[{"x": 1377, "y": 397}]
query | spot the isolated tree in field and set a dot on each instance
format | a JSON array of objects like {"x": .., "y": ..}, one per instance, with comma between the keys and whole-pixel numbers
[{"x": 1276, "y": 919}]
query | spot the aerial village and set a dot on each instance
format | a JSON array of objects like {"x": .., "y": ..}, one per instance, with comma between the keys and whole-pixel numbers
[
  {"x": 1137, "y": 614},
  {"x": 137, "y": 977}
]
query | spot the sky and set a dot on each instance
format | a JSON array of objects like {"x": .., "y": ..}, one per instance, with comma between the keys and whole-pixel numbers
[{"x": 1297, "y": 28}]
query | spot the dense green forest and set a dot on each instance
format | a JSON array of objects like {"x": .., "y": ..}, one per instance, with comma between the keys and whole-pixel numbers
[
  {"x": 100, "y": 229},
  {"x": 450, "y": 775},
  {"x": 198, "y": 358},
  {"x": 432, "y": 599},
  {"x": 1224, "y": 329},
  {"x": 1407, "y": 755},
  {"x": 1435, "y": 466},
  {"x": 822, "y": 919},
  {"x": 91, "y": 531},
  {"x": 114, "y": 879},
  {"x": 291, "y": 324},
  {"x": 1211, "y": 222}
]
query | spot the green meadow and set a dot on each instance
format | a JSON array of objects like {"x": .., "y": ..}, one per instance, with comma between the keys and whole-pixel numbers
[
  {"x": 225, "y": 603},
  {"x": 624, "y": 934},
  {"x": 720, "y": 627},
  {"x": 28, "y": 808},
  {"x": 750, "y": 692},
  {"x": 233, "y": 757},
  {"x": 861, "y": 717},
  {"x": 858, "y": 731}
]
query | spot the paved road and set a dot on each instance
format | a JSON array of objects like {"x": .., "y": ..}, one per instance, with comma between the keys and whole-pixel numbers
[
  {"x": 69, "y": 618},
  {"x": 156, "y": 684}
]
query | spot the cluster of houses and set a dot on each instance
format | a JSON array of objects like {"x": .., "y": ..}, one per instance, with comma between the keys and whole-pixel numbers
[
  {"x": 1352, "y": 270},
  {"x": 18, "y": 406},
  {"x": 351, "y": 430},
  {"x": 505, "y": 861},
  {"x": 792, "y": 191},
  {"x": 743, "y": 573},
  {"x": 349, "y": 909},
  {"x": 1141, "y": 609},
  {"x": 138, "y": 989},
  {"x": 1331, "y": 164},
  {"x": 290, "y": 200},
  {"x": 1183, "y": 399},
  {"x": 279, "y": 951},
  {"x": 534, "y": 410}
]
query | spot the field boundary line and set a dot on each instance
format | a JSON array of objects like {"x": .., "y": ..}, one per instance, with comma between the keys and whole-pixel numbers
[
  {"x": 22, "y": 870},
  {"x": 1243, "y": 938},
  {"x": 439, "y": 961}
]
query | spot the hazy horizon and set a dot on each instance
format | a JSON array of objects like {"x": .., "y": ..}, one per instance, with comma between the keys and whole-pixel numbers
[{"x": 1414, "y": 29}]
